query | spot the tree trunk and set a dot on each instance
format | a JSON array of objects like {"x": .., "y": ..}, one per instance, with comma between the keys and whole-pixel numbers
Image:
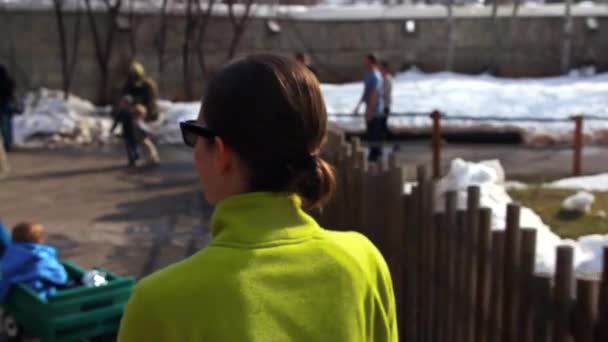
[
  {"x": 75, "y": 46},
  {"x": 493, "y": 65},
  {"x": 162, "y": 43},
  {"x": 450, "y": 25},
  {"x": 188, "y": 29},
  {"x": 238, "y": 26},
  {"x": 63, "y": 49},
  {"x": 103, "y": 51},
  {"x": 203, "y": 22},
  {"x": 132, "y": 33},
  {"x": 567, "y": 38}
]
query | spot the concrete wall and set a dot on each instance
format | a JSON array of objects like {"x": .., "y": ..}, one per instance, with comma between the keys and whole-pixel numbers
[{"x": 531, "y": 46}]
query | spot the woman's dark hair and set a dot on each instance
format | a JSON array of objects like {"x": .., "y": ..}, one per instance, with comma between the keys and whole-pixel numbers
[{"x": 270, "y": 110}]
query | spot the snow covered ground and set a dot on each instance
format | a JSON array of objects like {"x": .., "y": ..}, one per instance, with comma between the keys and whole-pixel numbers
[
  {"x": 492, "y": 99},
  {"x": 587, "y": 183},
  {"x": 489, "y": 176}
]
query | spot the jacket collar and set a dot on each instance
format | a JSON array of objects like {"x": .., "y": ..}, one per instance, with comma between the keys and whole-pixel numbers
[{"x": 261, "y": 219}]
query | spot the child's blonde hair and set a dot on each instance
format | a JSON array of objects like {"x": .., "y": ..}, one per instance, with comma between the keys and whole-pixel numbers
[
  {"x": 28, "y": 232},
  {"x": 140, "y": 111}
]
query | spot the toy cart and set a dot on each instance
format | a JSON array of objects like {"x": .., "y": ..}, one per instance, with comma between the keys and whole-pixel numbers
[{"x": 71, "y": 314}]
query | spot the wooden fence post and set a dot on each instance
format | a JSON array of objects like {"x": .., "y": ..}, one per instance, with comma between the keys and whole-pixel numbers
[
  {"x": 578, "y": 145},
  {"x": 460, "y": 289},
  {"x": 526, "y": 310},
  {"x": 423, "y": 215},
  {"x": 395, "y": 230},
  {"x": 496, "y": 302},
  {"x": 543, "y": 309},
  {"x": 601, "y": 332},
  {"x": 484, "y": 265},
  {"x": 451, "y": 231},
  {"x": 511, "y": 274},
  {"x": 562, "y": 294},
  {"x": 437, "y": 273},
  {"x": 470, "y": 244},
  {"x": 436, "y": 144},
  {"x": 409, "y": 276},
  {"x": 585, "y": 314}
]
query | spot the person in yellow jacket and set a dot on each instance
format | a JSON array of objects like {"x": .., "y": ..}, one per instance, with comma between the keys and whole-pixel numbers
[{"x": 270, "y": 272}]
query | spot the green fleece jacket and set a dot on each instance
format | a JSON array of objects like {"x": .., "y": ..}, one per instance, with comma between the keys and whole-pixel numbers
[{"x": 269, "y": 274}]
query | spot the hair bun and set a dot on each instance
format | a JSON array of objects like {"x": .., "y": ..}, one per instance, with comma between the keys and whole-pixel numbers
[{"x": 315, "y": 181}]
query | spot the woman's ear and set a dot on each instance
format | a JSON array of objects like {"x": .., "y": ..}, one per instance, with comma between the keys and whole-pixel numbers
[{"x": 224, "y": 155}]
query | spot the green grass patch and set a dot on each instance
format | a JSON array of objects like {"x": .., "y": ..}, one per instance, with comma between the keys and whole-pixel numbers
[{"x": 547, "y": 203}]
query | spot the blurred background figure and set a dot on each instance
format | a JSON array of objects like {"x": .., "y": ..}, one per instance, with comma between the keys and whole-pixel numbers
[
  {"x": 125, "y": 118},
  {"x": 8, "y": 107},
  {"x": 142, "y": 89}
]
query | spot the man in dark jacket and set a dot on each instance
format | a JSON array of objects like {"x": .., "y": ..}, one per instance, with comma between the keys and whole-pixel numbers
[
  {"x": 142, "y": 89},
  {"x": 124, "y": 117},
  {"x": 7, "y": 107}
]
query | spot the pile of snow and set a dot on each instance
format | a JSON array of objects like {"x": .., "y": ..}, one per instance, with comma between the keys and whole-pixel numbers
[
  {"x": 487, "y": 175},
  {"x": 488, "y": 98},
  {"x": 174, "y": 112},
  {"x": 51, "y": 120},
  {"x": 588, "y": 183},
  {"x": 580, "y": 202}
]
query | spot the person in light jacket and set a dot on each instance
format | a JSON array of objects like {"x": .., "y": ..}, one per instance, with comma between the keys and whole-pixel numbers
[{"x": 270, "y": 272}]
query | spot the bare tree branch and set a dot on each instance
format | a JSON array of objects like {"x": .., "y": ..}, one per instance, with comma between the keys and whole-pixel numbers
[
  {"x": 238, "y": 25},
  {"x": 103, "y": 52},
  {"x": 567, "y": 38},
  {"x": 493, "y": 64},
  {"x": 450, "y": 26},
  {"x": 75, "y": 46},
  {"x": 189, "y": 29},
  {"x": 162, "y": 42},
  {"x": 68, "y": 62},
  {"x": 203, "y": 23}
]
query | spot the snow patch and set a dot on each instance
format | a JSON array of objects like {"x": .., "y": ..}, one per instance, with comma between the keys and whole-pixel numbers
[
  {"x": 588, "y": 183},
  {"x": 580, "y": 202},
  {"x": 462, "y": 174}
]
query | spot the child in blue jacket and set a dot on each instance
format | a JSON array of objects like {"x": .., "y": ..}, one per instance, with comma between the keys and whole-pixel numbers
[{"x": 27, "y": 260}]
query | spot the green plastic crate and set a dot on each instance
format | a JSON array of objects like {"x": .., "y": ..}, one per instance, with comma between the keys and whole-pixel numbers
[{"x": 71, "y": 314}]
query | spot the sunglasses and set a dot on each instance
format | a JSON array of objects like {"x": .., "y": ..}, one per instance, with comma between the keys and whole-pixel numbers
[{"x": 191, "y": 131}]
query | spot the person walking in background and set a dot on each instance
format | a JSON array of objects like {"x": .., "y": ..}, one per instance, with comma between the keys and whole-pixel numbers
[
  {"x": 125, "y": 118},
  {"x": 387, "y": 96},
  {"x": 142, "y": 89},
  {"x": 387, "y": 87},
  {"x": 7, "y": 107},
  {"x": 144, "y": 135},
  {"x": 374, "y": 105},
  {"x": 270, "y": 272}
]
